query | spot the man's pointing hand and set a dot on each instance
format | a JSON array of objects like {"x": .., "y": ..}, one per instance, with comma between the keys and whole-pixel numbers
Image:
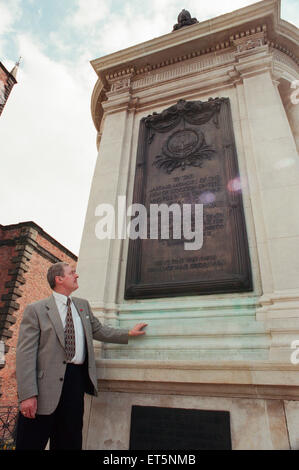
[{"x": 136, "y": 330}]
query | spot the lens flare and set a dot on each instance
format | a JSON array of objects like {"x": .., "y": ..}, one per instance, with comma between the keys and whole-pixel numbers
[
  {"x": 207, "y": 197},
  {"x": 234, "y": 185}
]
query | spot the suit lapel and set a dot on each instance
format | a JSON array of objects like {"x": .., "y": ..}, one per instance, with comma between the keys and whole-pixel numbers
[{"x": 55, "y": 318}]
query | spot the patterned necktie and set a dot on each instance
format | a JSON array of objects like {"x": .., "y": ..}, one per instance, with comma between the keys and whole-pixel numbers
[{"x": 69, "y": 333}]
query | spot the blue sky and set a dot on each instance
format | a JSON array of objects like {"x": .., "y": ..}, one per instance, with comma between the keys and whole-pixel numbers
[{"x": 46, "y": 131}]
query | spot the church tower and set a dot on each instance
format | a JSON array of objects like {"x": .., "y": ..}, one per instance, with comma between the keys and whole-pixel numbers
[{"x": 7, "y": 82}]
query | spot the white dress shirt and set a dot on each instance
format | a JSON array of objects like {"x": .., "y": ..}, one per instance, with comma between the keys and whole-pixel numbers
[{"x": 61, "y": 300}]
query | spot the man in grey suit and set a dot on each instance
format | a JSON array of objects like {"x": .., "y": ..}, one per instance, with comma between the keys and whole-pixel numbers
[{"x": 55, "y": 363}]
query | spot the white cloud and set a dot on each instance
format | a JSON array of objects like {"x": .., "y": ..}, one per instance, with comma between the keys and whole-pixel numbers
[
  {"x": 89, "y": 12},
  {"x": 59, "y": 43},
  {"x": 10, "y": 11},
  {"x": 48, "y": 145}
]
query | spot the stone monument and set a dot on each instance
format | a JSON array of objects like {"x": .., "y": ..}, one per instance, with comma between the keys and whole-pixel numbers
[{"x": 208, "y": 116}]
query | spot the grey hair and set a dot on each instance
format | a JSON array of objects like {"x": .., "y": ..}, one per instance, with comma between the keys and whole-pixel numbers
[{"x": 56, "y": 269}]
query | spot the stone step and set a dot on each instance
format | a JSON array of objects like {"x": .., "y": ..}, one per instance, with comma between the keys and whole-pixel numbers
[
  {"x": 188, "y": 313},
  {"x": 158, "y": 327},
  {"x": 198, "y": 342},
  {"x": 254, "y": 354}
]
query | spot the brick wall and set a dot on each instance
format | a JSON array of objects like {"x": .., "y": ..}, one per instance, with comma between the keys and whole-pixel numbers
[{"x": 26, "y": 253}]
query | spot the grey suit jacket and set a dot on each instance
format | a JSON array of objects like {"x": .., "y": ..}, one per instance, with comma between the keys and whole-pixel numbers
[{"x": 41, "y": 358}]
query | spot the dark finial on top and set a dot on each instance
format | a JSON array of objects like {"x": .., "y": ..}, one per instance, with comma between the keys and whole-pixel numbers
[{"x": 184, "y": 19}]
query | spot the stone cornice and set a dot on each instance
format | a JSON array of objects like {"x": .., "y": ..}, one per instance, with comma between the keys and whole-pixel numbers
[
  {"x": 212, "y": 36},
  {"x": 286, "y": 52},
  {"x": 96, "y": 100},
  {"x": 278, "y": 392},
  {"x": 215, "y": 28},
  {"x": 211, "y": 43},
  {"x": 185, "y": 80},
  {"x": 232, "y": 378}
]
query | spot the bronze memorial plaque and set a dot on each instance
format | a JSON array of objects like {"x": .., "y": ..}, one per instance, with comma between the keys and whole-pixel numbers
[{"x": 187, "y": 164}]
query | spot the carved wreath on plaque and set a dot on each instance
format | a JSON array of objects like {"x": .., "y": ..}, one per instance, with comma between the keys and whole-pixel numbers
[
  {"x": 187, "y": 146},
  {"x": 182, "y": 148}
]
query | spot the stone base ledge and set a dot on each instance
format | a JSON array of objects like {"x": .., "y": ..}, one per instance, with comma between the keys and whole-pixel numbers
[
  {"x": 236, "y": 379},
  {"x": 203, "y": 390}
]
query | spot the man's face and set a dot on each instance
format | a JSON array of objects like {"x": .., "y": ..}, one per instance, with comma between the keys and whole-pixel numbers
[{"x": 69, "y": 281}]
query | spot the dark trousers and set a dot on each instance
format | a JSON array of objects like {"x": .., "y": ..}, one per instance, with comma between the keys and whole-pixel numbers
[{"x": 64, "y": 426}]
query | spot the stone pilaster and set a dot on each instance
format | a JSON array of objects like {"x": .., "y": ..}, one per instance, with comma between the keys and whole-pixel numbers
[
  {"x": 101, "y": 257},
  {"x": 274, "y": 195}
]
